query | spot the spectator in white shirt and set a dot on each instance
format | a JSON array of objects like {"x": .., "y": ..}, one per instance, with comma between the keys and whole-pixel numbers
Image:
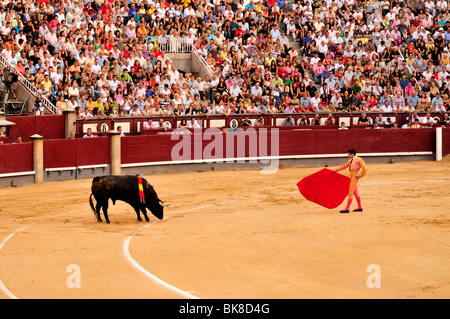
[
  {"x": 275, "y": 33},
  {"x": 256, "y": 92},
  {"x": 315, "y": 100},
  {"x": 440, "y": 107},
  {"x": 192, "y": 123},
  {"x": 73, "y": 90},
  {"x": 428, "y": 120},
  {"x": 386, "y": 107},
  {"x": 429, "y": 5},
  {"x": 5, "y": 30},
  {"x": 96, "y": 68},
  {"x": 56, "y": 76},
  {"x": 235, "y": 90},
  {"x": 441, "y": 6}
]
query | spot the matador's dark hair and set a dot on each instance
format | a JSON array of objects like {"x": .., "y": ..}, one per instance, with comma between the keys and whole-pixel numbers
[{"x": 351, "y": 151}]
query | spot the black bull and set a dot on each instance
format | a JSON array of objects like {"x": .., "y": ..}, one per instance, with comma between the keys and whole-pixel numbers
[{"x": 124, "y": 188}]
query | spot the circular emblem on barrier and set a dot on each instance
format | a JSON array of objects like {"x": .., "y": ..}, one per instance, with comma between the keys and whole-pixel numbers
[
  {"x": 369, "y": 120},
  {"x": 104, "y": 127},
  {"x": 168, "y": 124},
  {"x": 234, "y": 124},
  {"x": 437, "y": 119}
]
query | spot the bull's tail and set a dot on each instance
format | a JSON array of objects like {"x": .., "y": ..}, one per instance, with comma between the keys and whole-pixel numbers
[
  {"x": 96, "y": 214},
  {"x": 92, "y": 205}
]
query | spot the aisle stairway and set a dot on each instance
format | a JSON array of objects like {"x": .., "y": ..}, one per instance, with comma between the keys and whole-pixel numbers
[
  {"x": 296, "y": 45},
  {"x": 25, "y": 95}
]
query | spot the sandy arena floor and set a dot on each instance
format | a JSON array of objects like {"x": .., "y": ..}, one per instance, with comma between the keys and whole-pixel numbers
[{"x": 232, "y": 234}]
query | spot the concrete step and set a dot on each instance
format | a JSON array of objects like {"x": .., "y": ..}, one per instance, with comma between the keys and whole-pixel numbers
[{"x": 294, "y": 44}]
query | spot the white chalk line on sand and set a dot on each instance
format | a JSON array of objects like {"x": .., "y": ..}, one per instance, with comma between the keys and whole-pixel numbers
[
  {"x": 2, "y": 244},
  {"x": 126, "y": 243},
  {"x": 125, "y": 246},
  {"x": 126, "y": 252},
  {"x": 3, "y": 288}
]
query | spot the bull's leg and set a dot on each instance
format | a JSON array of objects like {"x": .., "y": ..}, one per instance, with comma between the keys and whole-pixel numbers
[
  {"x": 105, "y": 211},
  {"x": 97, "y": 211},
  {"x": 144, "y": 211},
  {"x": 138, "y": 213}
]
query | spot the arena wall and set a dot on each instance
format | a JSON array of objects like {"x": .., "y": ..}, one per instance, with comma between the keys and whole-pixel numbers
[
  {"x": 445, "y": 141},
  {"x": 16, "y": 158},
  {"x": 152, "y": 151},
  {"x": 48, "y": 126},
  {"x": 16, "y": 164}
]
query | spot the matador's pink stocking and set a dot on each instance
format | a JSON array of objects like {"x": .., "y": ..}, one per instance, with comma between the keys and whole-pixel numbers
[
  {"x": 349, "y": 202},
  {"x": 358, "y": 198}
]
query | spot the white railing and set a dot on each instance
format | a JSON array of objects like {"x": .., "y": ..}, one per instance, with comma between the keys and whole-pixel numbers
[
  {"x": 205, "y": 65},
  {"x": 179, "y": 45},
  {"x": 28, "y": 85},
  {"x": 175, "y": 45}
]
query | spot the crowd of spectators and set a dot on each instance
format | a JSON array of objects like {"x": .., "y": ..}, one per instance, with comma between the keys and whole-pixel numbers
[{"x": 106, "y": 57}]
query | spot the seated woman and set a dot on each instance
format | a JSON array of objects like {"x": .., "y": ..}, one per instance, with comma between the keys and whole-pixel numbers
[
  {"x": 60, "y": 105},
  {"x": 352, "y": 108},
  {"x": 183, "y": 124}
]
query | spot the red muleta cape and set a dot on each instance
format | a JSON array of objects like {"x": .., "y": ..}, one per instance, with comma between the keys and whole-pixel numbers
[{"x": 325, "y": 187}]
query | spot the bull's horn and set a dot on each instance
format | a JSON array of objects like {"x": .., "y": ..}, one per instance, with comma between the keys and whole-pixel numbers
[{"x": 162, "y": 203}]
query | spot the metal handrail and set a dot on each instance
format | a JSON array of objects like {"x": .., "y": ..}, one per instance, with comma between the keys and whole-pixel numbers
[
  {"x": 175, "y": 45},
  {"x": 179, "y": 45},
  {"x": 202, "y": 60},
  {"x": 28, "y": 85}
]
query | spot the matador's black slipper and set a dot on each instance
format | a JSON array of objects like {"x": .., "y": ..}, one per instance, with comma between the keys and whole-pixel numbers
[
  {"x": 344, "y": 211},
  {"x": 358, "y": 210}
]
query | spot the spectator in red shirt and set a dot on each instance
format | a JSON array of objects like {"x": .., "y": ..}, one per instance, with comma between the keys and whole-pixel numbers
[
  {"x": 105, "y": 9},
  {"x": 238, "y": 31}
]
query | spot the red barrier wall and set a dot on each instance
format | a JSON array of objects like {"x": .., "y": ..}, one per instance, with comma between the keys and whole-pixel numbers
[
  {"x": 25, "y": 127},
  {"x": 60, "y": 153},
  {"x": 16, "y": 158},
  {"x": 48, "y": 126},
  {"x": 92, "y": 151},
  {"x": 445, "y": 141},
  {"x": 76, "y": 152},
  {"x": 154, "y": 148},
  {"x": 148, "y": 148},
  {"x": 364, "y": 141},
  {"x": 158, "y": 147}
]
